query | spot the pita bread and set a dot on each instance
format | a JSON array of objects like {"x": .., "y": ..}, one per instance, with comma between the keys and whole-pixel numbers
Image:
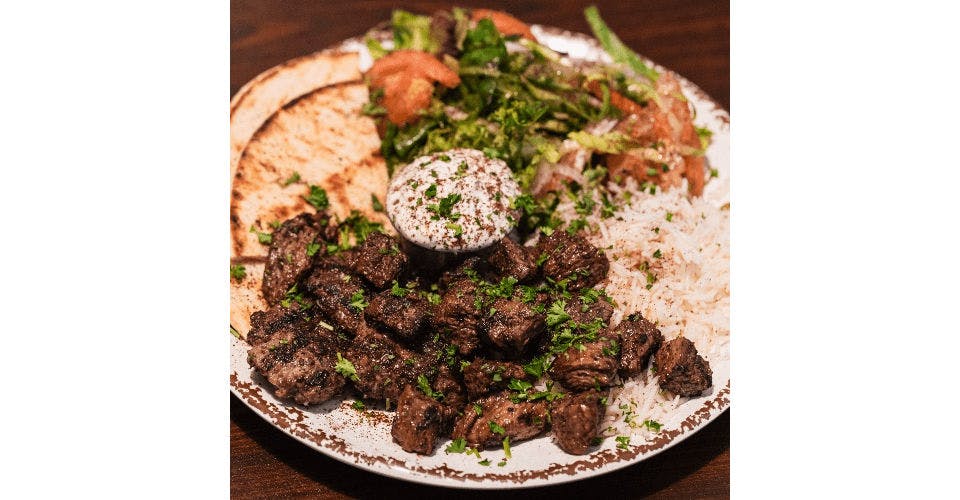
[{"x": 322, "y": 136}]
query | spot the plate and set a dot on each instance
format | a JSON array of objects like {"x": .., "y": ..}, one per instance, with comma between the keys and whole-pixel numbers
[{"x": 362, "y": 439}]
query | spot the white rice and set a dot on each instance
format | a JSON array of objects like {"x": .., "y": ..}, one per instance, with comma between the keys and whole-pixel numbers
[{"x": 691, "y": 295}]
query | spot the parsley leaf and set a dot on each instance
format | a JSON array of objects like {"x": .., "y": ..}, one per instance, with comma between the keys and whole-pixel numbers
[
  {"x": 375, "y": 203},
  {"x": 623, "y": 442},
  {"x": 431, "y": 191},
  {"x": 358, "y": 302},
  {"x": 263, "y": 238},
  {"x": 557, "y": 314},
  {"x": 496, "y": 428},
  {"x": 652, "y": 425},
  {"x": 358, "y": 405},
  {"x": 345, "y": 367},
  {"x": 312, "y": 249},
  {"x": 424, "y": 386},
  {"x": 293, "y": 178},
  {"x": 238, "y": 272},
  {"x": 458, "y": 445},
  {"x": 317, "y": 198}
]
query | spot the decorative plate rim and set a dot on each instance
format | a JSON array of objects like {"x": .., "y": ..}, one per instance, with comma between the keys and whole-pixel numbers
[{"x": 292, "y": 420}]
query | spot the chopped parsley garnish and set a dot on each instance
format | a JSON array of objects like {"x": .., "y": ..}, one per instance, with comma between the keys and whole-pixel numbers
[
  {"x": 658, "y": 254},
  {"x": 456, "y": 228},
  {"x": 537, "y": 366},
  {"x": 623, "y": 442},
  {"x": 424, "y": 386},
  {"x": 669, "y": 216},
  {"x": 458, "y": 445},
  {"x": 317, "y": 198},
  {"x": 496, "y": 428},
  {"x": 263, "y": 238},
  {"x": 519, "y": 385},
  {"x": 431, "y": 192},
  {"x": 714, "y": 172},
  {"x": 358, "y": 405},
  {"x": 345, "y": 367},
  {"x": 312, "y": 249},
  {"x": 502, "y": 463},
  {"x": 375, "y": 203},
  {"x": 358, "y": 302},
  {"x": 612, "y": 348},
  {"x": 652, "y": 425},
  {"x": 295, "y": 177},
  {"x": 477, "y": 409},
  {"x": 398, "y": 291},
  {"x": 445, "y": 207},
  {"x": 542, "y": 258},
  {"x": 557, "y": 314},
  {"x": 485, "y": 462},
  {"x": 238, "y": 272}
]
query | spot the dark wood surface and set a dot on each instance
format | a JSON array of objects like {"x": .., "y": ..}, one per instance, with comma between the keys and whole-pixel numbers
[{"x": 688, "y": 36}]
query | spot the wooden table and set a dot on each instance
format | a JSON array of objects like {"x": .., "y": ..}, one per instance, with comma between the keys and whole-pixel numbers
[{"x": 688, "y": 36}]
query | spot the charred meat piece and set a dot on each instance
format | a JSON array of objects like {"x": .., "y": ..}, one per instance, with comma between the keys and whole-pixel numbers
[
  {"x": 508, "y": 258},
  {"x": 263, "y": 324},
  {"x": 471, "y": 266},
  {"x": 483, "y": 376},
  {"x": 575, "y": 420},
  {"x": 288, "y": 258},
  {"x": 446, "y": 382},
  {"x": 595, "y": 365},
  {"x": 572, "y": 257},
  {"x": 639, "y": 339},
  {"x": 300, "y": 365},
  {"x": 512, "y": 327},
  {"x": 335, "y": 293},
  {"x": 681, "y": 370},
  {"x": 582, "y": 311},
  {"x": 418, "y": 421},
  {"x": 481, "y": 423},
  {"x": 458, "y": 317},
  {"x": 383, "y": 366},
  {"x": 378, "y": 260},
  {"x": 402, "y": 316}
]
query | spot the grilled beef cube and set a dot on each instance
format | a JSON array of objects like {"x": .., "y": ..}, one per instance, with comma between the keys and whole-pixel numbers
[
  {"x": 418, "y": 421},
  {"x": 334, "y": 291},
  {"x": 457, "y": 316},
  {"x": 383, "y": 366},
  {"x": 454, "y": 397},
  {"x": 595, "y": 365},
  {"x": 403, "y": 317},
  {"x": 681, "y": 370},
  {"x": 584, "y": 312},
  {"x": 263, "y": 324},
  {"x": 520, "y": 421},
  {"x": 300, "y": 365},
  {"x": 639, "y": 339},
  {"x": 378, "y": 260},
  {"x": 512, "y": 327},
  {"x": 287, "y": 260},
  {"x": 572, "y": 257},
  {"x": 508, "y": 258},
  {"x": 575, "y": 420},
  {"x": 471, "y": 265},
  {"x": 483, "y": 376}
]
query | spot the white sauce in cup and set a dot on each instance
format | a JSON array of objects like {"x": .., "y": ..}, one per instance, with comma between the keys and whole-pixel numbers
[{"x": 455, "y": 201}]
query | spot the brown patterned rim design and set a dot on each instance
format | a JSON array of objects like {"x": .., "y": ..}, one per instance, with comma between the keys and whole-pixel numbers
[{"x": 294, "y": 421}]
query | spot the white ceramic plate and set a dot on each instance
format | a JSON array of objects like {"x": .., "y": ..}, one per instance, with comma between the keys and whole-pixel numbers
[{"x": 363, "y": 439}]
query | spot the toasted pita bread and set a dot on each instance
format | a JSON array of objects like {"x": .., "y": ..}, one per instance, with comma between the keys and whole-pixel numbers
[
  {"x": 261, "y": 97},
  {"x": 322, "y": 136}
]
